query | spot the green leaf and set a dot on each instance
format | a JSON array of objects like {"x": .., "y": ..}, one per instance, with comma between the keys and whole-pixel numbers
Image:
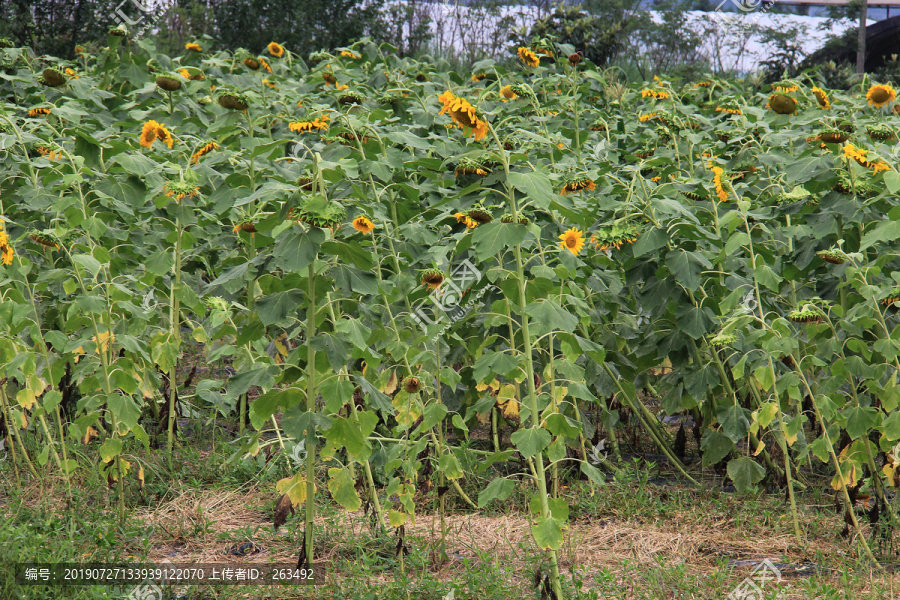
[
  {"x": 295, "y": 251},
  {"x": 125, "y": 409},
  {"x": 593, "y": 473},
  {"x": 559, "y": 424},
  {"x": 433, "y": 414},
  {"x": 111, "y": 448},
  {"x": 342, "y": 488},
  {"x": 892, "y": 182},
  {"x": 534, "y": 185},
  {"x": 531, "y": 441},
  {"x": 735, "y": 421},
  {"x": 745, "y": 473},
  {"x": 548, "y": 316},
  {"x": 356, "y": 332},
  {"x": 884, "y": 231},
  {"x": 164, "y": 349},
  {"x": 492, "y": 364},
  {"x": 87, "y": 262},
  {"x": 449, "y": 465},
  {"x": 547, "y": 533},
  {"x": 490, "y": 238},
  {"x": 262, "y": 409},
  {"x": 693, "y": 321},
  {"x": 276, "y": 307},
  {"x": 861, "y": 420},
  {"x": 498, "y": 489},
  {"x": 686, "y": 267},
  {"x": 715, "y": 447},
  {"x": 347, "y": 434},
  {"x": 336, "y": 394}
]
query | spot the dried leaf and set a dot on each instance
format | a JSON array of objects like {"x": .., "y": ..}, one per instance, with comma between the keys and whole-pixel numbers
[
  {"x": 282, "y": 509},
  {"x": 90, "y": 433},
  {"x": 391, "y": 386}
]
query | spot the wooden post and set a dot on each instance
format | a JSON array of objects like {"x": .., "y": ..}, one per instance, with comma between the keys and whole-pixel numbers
[{"x": 861, "y": 40}]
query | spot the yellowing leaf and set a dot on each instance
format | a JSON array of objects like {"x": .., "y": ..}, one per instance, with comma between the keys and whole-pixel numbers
[
  {"x": 759, "y": 448},
  {"x": 294, "y": 488},
  {"x": 397, "y": 518},
  {"x": 847, "y": 476},
  {"x": 889, "y": 472},
  {"x": 25, "y": 398},
  {"x": 493, "y": 386},
  {"x": 123, "y": 467},
  {"x": 90, "y": 433},
  {"x": 767, "y": 413},
  {"x": 140, "y": 475},
  {"x": 391, "y": 386},
  {"x": 559, "y": 393}
]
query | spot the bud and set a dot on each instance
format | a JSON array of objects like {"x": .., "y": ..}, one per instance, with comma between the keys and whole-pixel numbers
[{"x": 574, "y": 59}]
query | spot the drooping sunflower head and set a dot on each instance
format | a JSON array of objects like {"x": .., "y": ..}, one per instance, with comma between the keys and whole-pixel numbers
[
  {"x": 203, "y": 151},
  {"x": 6, "y": 250},
  {"x": 881, "y": 132},
  {"x": 786, "y": 86},
  {"x": 276, "y": 50},
  {"x": 832, "y": 255},
  {"x": 860, "y": 155},
  {"x": 508, "y": 218},
  {"x": 528, "y": 57},
  {"x": 349, "y": 97},
  {"x": 507, "y": 94},
  {"x": 412, "y": 384},
  {"x": 478, "y": 76},
  {"x": 616, "y": 235},
  {"x": 833, "y": 135},
  {"x": 52, "y": 78},
  {"x": 193, "y": 47},
  {"x": 809, "y": 312},
  {"x": 317, "y": 57},
  {"x": 463, "y": 114},
  {"x": 233, "y": 100},
  {"x": 180, "y": 190},
  {"x": 168, "y": 82},
  {"x": 479, "y": 214},
  {"x": 783, "y": 104},
  {"x": 45, "y": 238},
  {"x": 40, "y": 111},
  {"x": 318, "y": 211},
  {"x": 572, "y": 240},
  {"x": 880, "y": 95},
  {"x": 350, "y": 54},
  {"x": 861, "y": 186},
  {"x": 821, "y": 97},
  {"x": 656, "y": 94},
  {"x": 251, "y": 63},
  {"x": 472, "y": 165},
  {"x": 891, "y": 297},
  {"x": 118, "y": 31},
  {"x": 363, "y": 225},
  {"x": 722, "y": 339},
  {"x": 433, "y": 278},
  {"x": 576, "y": 182}
]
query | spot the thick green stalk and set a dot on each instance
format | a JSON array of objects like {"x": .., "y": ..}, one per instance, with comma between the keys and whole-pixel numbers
[
  {"x": 174, "y": 320},
  {"x": 310, "y": 408}
]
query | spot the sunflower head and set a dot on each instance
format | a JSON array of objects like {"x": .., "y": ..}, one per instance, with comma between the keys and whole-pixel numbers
[
  {"x": 168, "y": 82},
  {"x": 180, "y": 190},
  {"x": 528, "y": 57},
  {"x": 432, "y": 278},
  {"x": 833, "y": 136},
  {"x": 52, "y": 78},
  {"x": 5, "y": 42},
  {"x": 572, "y": 240},
  {"x": 508, "y": 218},
  {"x": 479, "y": 214},
  {"x": 363, "y": 225},
  {"x": 616, "y": 235},
  {"x": 808, "y": 313},
  {"x": 412, "y": 384},
  {"x": 786, "y": 86},
  {"x": 832, "y": 255},
  {"x": 45, "y": 238},
  {"x": 318, "y": 211},
  {"x": 892, "y": 296},
  {"x": 880, "y": 95},
  {"x": 118, "y": 31},
  {"x": 317, "y": 57},
  {"x": 348, "y": 97},
  {"x": 821, "y": 97},
  {"x": 575, "y": 58},
  {"x": 251, "y": 63},
  {"x": 881, "y": 132},
  {"x": 576, "y": 182},
  {"x": 275, "y": 49},
  {"x": 193, "y": 47},
  {"x": 783, "y": 104},
  {"x": 232, "y": 100},
  {"x": 723, "y": 339}
]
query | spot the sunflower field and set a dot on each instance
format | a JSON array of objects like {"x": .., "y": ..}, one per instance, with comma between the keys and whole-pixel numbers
[{"x": 377, "y": 258}]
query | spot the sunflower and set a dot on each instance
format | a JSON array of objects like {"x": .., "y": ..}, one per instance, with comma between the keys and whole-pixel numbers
[
  {"x": 880, "y": 95},
  {"x": 700, "y": 84},
  {"x": 506, "y": 93},
  {"x": 168, "y": 83},
  {"x": 572, "y": 240},
  {"x": 206, "y": 149},
  {"x": 48, "y": 153},
  {"x": 575, "y": 184},
  {"x": 731, "y": 110},
  {"x": 851, "y": 152},
  {"x": 479, "y": 215},
  {"x": 464, "y": 218},
  {"x": 615, "y": 236},
  {"x": 363, "y": 225},
  {"x": 194, "y": 47},
  {"x": 647, "y": 117},
  {"x": 52, "y": 78},
  {"x": 782, "y": 104},
  {"x": 38, "y": 112},
  {"x": 6, "y": 250},
  {"x": 832, "y": 255},
  {"x": 353, "y": 55},
  {"x": 821, "y": 97},
  {"x": 655, "y": 94},
  {"x": 276, "y": 50},
  {"x": 232, "y": 100},
  {"x": 44, "y": 238},
  {"x": 153, "y": 131},
  {"x": 320, "y": 123},
  {"x": 246, "y": 226},
  {"x": 180, "y": 190},
  {"x": 718, "y": 180},
  {"x": 463, "y": 114},
  {"x": 433, "y": 278},
  {"x": 265, "y": 64},
  {"x": 478, "y": 76},
  {"x": 527, "y": 56},
  {"x": 191, "y": 76},
  {"x": 251, "y": 63}
]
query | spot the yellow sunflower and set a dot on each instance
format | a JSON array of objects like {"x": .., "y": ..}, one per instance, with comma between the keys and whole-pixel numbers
[
  {"x": 821, "y": 97},
  {"x": 880, "y": 95},
  {"x": 506, "y": 93},
  {"x": 463, "y": 114},
  {"x": 718, "y": 180},
  {"x": 572, "y": 240},
  {"x": 6, "y": 250},
  {"x": 276, "y": 50},
  {"x": 363, "y": 225},
  {"x": 528, "y": 57},
  {"x": 194, "y": 47},
  {"x": 206, "y": 149},
  {"x": 37, "y": 112}
]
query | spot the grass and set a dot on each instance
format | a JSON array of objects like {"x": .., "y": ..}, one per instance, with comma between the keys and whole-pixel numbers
[{"x": 632, "y": 539}]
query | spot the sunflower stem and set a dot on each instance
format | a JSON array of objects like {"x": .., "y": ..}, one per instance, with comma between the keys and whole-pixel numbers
[{"x": 310, "y": 408}]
